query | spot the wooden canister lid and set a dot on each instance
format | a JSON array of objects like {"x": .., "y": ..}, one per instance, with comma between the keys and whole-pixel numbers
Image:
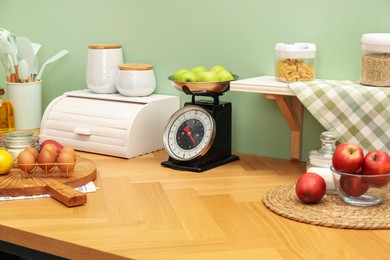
[
  {"x": 104, "y": 46},
  {"x": 135, "y": 66}
]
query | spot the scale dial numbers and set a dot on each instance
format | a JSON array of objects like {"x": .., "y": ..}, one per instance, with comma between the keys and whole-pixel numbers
[{"x": 189, "y": 133}]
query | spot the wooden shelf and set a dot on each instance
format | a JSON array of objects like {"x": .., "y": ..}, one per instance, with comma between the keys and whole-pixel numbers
[{"x": 263, "y": 85}]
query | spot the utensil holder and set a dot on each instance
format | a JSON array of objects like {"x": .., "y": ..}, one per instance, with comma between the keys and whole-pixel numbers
[{"x": 26, "y": 99}]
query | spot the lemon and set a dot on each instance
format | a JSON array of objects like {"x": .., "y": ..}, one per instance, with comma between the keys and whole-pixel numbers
[{"x": 6, "y": 161}]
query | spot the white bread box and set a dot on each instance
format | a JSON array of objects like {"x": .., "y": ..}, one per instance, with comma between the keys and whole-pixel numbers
[{"x": 110, "y": 124}]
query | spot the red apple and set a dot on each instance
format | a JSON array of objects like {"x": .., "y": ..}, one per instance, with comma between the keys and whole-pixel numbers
[
  {"x": 376, "y": 163},
  {"x": 353, "y": 185},
  {"x": 348, "y": 157},
  {"x": 56, "y": 144},
  {"x": 310, "y": 188}
]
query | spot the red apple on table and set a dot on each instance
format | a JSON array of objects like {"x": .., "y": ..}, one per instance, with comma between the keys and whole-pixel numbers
[
  {"x": 310, "y": 188},
  {"x": 348, "y": 158},
  {"x": 376, "y": 163},
  {"x": 353, "y": 185}
]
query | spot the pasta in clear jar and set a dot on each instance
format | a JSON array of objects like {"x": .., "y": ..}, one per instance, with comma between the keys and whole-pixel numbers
[{"x": 295, "y": 62}]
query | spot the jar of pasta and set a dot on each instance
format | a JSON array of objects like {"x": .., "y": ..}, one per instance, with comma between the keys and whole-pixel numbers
[
  {"x": 375, "y": 62},
  {"x": 295, "y": 62}
]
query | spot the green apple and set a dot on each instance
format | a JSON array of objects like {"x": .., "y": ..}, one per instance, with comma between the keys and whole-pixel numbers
[
  {"x": 187, "y": 76},
  {"x": 217, "y": 68},
  {"x": 208, "y": 76},
  {"x": 225, "y": 75},
  {"x": 178, "y": 73},
  {"x": 198, "y": 69}
]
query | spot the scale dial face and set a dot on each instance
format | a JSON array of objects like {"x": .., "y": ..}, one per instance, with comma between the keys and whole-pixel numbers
[{"x": 189, "y": 133}]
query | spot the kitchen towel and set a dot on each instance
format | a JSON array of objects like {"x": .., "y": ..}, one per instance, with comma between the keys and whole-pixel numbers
[{"x": 357, "y": 113}]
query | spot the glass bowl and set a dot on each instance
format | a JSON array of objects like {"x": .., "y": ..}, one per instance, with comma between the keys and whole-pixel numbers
[{"x": 361, "y": 190}]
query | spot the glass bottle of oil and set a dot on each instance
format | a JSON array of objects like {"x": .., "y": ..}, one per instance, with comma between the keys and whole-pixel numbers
[{"x": 7, "y": 122}]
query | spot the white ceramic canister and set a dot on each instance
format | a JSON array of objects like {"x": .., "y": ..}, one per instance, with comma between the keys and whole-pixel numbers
[
  {"x": 102, "y": 67},
  {"x": 136, "y": 80}
]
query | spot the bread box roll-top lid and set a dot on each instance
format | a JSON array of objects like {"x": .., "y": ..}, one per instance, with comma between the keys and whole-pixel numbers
[
  {"x": 104, "y": 46},
  {"x": 295, "y": 50},
  {"x": 110, "y": 124}
]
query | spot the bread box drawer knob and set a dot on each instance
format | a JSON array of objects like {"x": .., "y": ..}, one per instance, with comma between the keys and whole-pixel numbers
[{"x": 83, "y": 131}]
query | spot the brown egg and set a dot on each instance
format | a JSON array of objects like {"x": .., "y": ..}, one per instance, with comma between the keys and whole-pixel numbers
[
  {"x": 66, "y": 161},
  {"x": 26, "y": 161},
  {"x": 33, "y": 151},
  {"x": 46, "y": 159},
  {"x": 70, "y": 150}
]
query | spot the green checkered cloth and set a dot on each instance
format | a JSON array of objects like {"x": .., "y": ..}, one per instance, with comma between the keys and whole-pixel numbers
[{"x": 357, "y": 113}]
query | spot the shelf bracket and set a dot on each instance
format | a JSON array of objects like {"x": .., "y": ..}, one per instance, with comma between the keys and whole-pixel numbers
[{"x": 293, "y": 113}]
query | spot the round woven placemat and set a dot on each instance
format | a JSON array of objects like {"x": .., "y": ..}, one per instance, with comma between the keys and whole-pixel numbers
[{"x": 331, "y": 211}]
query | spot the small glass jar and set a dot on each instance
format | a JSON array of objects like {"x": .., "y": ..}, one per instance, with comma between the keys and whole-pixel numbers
[
  {"x": 320, "y": 160},
  {"x": 16, "y": 142},
  {"x": 295, "y": 62},
  {"x": 136, "y": 80},
  {"x": 375, "y": 60},
  {"x": 102, "y": 67}
]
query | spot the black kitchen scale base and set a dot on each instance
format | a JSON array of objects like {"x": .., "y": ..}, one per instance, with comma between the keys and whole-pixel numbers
[
  {"x": 199, "y": 168},
  {"x": 220, "y": 152}
]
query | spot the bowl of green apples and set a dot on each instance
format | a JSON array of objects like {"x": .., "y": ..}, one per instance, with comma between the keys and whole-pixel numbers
[{"x": 201, "y": 80}]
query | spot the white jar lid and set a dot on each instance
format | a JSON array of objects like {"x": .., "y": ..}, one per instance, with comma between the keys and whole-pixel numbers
[
  {"x": 379, "y": 42},
  {"x": 295, "y": 50}
]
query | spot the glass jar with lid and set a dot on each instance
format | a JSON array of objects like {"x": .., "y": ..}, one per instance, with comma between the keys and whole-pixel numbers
[
  {"x": 16, "y": 142},
  {"x": 320, "y": 160},
  {"x": 295, "y": 62},
  {"x": 375, "y": 61}
]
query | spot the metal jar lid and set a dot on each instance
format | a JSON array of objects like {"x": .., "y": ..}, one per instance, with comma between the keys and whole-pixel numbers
[{"x": 19, "y": 140}]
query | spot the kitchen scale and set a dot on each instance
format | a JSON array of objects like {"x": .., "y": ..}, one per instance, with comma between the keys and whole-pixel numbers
[{"x": 198, "y": 137}]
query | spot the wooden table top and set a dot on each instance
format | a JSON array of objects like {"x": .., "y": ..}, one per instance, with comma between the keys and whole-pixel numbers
[{"x": 145, "y": 211}]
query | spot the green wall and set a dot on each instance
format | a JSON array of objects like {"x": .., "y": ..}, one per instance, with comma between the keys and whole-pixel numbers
[{"x": 179, "y": 33}]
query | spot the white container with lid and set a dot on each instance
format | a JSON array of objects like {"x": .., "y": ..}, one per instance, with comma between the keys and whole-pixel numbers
[
  {"x": 136, "y": 80},
  {"x": 375, "y": 60},
  {"x": 295, "y": 62},
  {"x": 102, "y": 67}
]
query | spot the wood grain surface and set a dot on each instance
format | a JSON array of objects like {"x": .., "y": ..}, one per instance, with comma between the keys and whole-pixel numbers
[{"x": 145, "y": 211}]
